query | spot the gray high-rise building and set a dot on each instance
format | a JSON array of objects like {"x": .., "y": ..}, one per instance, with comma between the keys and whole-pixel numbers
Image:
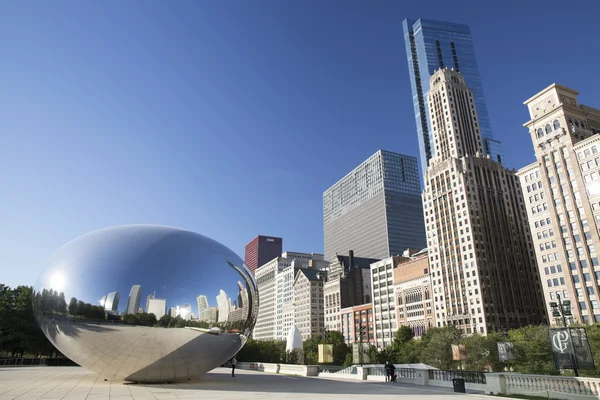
[
  {"x": 376, "y": 209},
  {"x": 112, "y": 302},
  {"x": 150, "y": 297},
  {"x": 431, "y": 45},
  {"x": 203, "y": 308},
  {"x": 133, "y": 301}
]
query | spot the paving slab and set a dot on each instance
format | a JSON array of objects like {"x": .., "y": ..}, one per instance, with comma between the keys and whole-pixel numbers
[{"x": 75, "y": 383}]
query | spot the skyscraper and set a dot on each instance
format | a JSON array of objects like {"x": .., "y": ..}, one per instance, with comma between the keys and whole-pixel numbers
[
  {"x": 203, "y": 308},
  {"x": 484, "y": 275},
  {"x": 261, "y": 250},
  {"x": 224, "y": 306},
  {"x": 431, "y": 45},
  {"x": 112, "y": 302},
  {"x": 158, "y": 307},
  {"x": 376, "y": 209},
  {"x": 148, "y": 298},
  {"x": 275, "y": 290},
  {"x": 562, "y": 195},
  {"x": 133, "y": 301}
]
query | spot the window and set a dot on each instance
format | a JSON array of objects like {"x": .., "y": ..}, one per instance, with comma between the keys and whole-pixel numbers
[
  {"x": 540, "y": 133},
  {"x": 556, "y": 124},
  {"x": 548, "y": 129}
]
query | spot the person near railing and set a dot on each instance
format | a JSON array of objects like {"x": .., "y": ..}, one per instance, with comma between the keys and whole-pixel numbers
[{"x": 233, "y": 364}]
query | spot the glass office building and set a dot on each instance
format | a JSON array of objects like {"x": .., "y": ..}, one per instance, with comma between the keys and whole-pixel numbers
[
  {"x": 376, "y": 210},
  {"x": 431, "y": 45}
]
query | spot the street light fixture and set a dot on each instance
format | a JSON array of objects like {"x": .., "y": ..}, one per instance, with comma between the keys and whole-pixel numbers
[{"x": 563, "y": 309}]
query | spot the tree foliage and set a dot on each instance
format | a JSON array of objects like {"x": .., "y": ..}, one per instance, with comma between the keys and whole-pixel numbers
[{"x": 19, "y": 332}]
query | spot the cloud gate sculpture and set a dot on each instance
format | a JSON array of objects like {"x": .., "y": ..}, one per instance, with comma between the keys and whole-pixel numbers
[{"x": 146, "y": 303}]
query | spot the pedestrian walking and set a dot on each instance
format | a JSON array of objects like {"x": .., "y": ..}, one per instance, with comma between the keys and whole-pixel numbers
[
  {"x": 233, "y": 363},
  {"x": 392, "y": 372},
  {"x": 387, "y": 371}
]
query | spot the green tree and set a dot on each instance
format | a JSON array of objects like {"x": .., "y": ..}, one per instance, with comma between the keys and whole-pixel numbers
[
  {"x": 131, "y": 319},
  {"x": 147, "y": 319},
  {"x": 437, "y": 350},
  {"x": 532, "y": 350},
  {"x": 73, "y": 306},
  {"x": 482, "y": 352},
  {"x": 403, "y": 335},
  {"x": 593, "y": 335}
]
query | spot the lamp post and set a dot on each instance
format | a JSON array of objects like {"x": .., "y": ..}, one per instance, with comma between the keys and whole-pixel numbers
[{"x": 560, "y": 311}]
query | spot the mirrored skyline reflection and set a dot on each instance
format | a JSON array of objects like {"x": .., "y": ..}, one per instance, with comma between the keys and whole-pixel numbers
[
  {"x": 164, "y": 269},
  {"x": 227, "y": 308},
  {"x": 89, "y": 297}
]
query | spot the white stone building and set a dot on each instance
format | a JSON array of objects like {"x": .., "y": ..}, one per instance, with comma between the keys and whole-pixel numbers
[
  {"x": 308, "y": 302},
  {"x": 275, "y": 287},
  {"x": 562, "y": 193},
  {"x": 384, "y": 300}
]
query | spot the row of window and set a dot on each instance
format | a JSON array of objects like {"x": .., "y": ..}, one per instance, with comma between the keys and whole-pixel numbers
[
  {"x": 548, "y": 129},
  {"x": 555, "y": 282}
]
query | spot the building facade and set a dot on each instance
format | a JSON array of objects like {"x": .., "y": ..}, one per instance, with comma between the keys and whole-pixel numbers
[
  {"x": 275, "y": 289},
  {"x": 384, "y": 300},
  {"x": 112, "y": 303},
  {"x": 376, "y": 209},
  {"x": 562, "y": 193},
  {"x": 308, "y": 302},
  {"x": 224, "y": 305},
  {"x": 348, "y": 284},
  {"x": 133, "y": 301},
  {"x": 261, "y": 250},
  {"x": 203, "y": 308},
  {"x": 357, "y": 324},
  {"x": 157, "y": 307},
  {"x": 483, "y": 269},
  {"x": 431, "y": 45},
  {"x": 414, "y": 300}
]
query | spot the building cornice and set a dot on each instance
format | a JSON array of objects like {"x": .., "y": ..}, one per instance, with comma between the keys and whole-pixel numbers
[
  {"x": 528, "y": 168},
  {"x": 549, "y": 88},
  {"x": 592, "y": 139}
]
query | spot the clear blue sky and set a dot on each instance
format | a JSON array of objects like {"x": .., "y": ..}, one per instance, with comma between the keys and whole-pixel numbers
[{"x": 230, "y": 118}]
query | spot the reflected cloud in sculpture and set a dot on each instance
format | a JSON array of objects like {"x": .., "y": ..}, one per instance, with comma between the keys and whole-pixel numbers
[{"x": 146, "y": 303}]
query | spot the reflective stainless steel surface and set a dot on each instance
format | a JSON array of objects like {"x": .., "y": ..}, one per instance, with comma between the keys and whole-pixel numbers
[{"x": 146, "y": 303}]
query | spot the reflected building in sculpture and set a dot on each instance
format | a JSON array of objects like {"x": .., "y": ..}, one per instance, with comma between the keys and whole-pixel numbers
[
  {"x": 158, "y": 307},
  {"x": 214, "y": 314},
  {"x": 150, "y": 297},
  {"x": 223, "y": 303},
  {"x": 185, "y": 312},
  {"x": 203, "y": 308},
  {"x": 112, "y": 303},
  {"x": 133, "y": 301},
  {"x": 240, "y": 311}
]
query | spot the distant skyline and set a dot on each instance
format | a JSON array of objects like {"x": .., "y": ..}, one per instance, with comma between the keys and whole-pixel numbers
[{"x": 231, "y": 119}]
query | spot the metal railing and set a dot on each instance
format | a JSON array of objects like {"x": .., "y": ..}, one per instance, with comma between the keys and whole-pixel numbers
[
  {"x": 337, "y": 369},
  {"x": 448, "y": 375},
  {"x": 377, "y": 370}
]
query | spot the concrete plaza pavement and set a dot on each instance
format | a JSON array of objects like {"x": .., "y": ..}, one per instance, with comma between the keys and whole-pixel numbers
[{"x": 75, "y": 383}]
